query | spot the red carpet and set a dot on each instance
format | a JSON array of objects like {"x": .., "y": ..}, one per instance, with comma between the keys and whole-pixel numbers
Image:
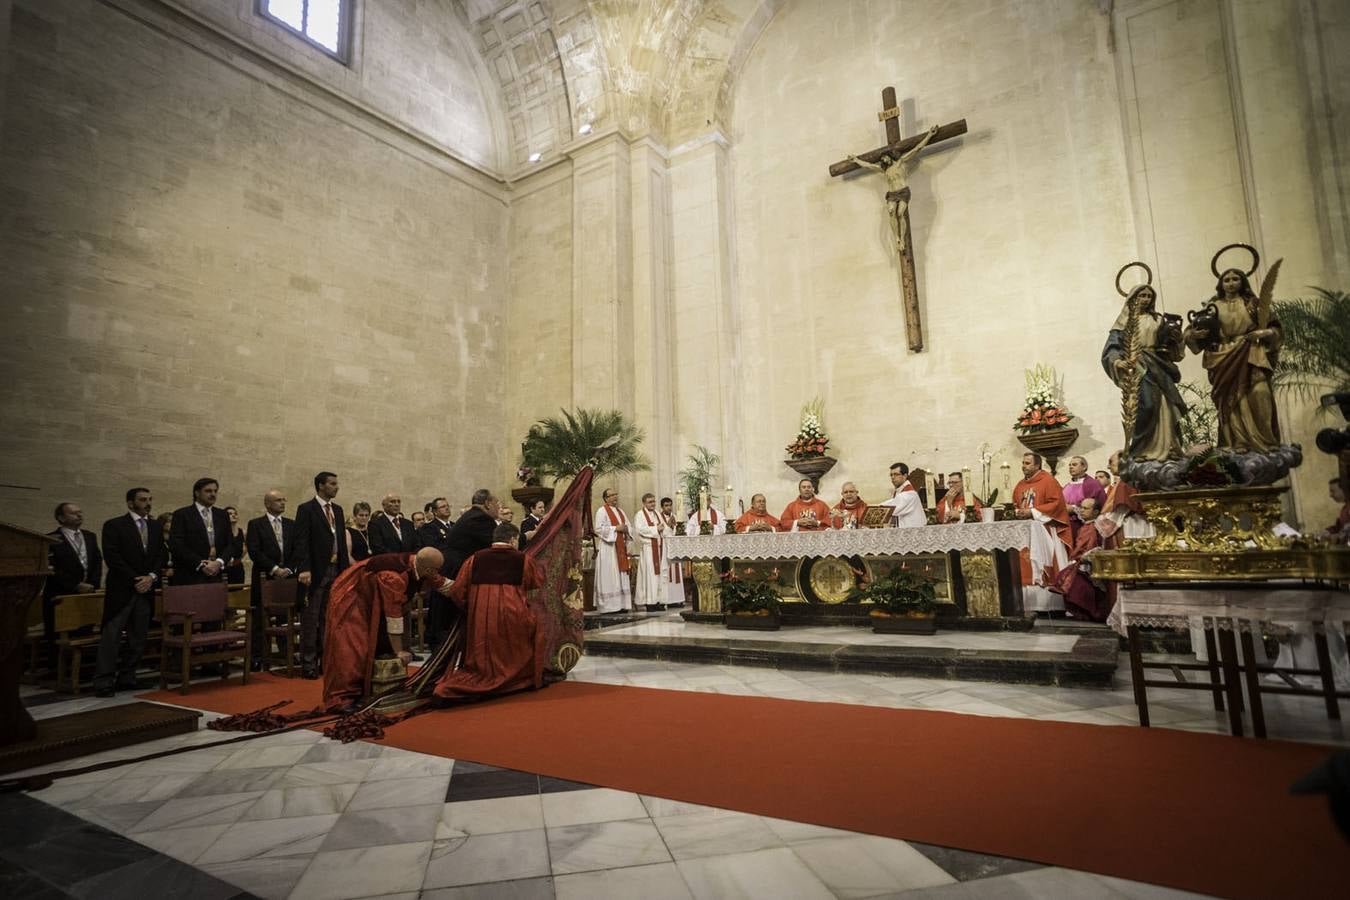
[{"x": 1206, "y": 813}]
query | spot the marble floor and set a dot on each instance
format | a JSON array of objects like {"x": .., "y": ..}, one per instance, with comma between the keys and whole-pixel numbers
[{"x": 297, "y": 816}]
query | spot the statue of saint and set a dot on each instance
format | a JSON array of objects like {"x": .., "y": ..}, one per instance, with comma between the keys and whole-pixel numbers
[
  {"x": 897, "y": 172},
  {"x": 1240, "y": 355},
  {"x": 1157, "y": 423}
]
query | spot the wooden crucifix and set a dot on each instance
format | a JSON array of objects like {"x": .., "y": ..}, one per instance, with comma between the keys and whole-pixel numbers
[{"x": 896, "y": 161}]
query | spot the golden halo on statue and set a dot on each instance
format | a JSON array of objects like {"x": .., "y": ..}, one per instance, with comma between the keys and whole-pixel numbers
[
  {"x": 1125, "y": 268},
  {"x": 1256, "y": 258}
]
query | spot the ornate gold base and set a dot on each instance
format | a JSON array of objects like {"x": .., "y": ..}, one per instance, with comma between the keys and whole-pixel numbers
[{"x": 1222, "y": 533}]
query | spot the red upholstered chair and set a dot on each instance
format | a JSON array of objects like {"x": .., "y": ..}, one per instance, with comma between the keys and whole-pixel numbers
[
  {"x": 278, "y": 602},
  {"x": 186, "y": 607}
]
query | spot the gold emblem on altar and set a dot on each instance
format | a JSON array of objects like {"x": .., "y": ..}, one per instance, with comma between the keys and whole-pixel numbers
[{"x": 831, "y": 578}]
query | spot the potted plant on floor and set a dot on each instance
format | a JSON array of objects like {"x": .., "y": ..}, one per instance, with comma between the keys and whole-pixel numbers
[
  {"x": 904, "y": 603},
  {"x": 749, "y": 603}
]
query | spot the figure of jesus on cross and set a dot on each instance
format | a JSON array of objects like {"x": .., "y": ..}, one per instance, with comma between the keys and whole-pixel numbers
[
  {"x": 897, "y": 161},
  {"x": 897, "y": 172}
]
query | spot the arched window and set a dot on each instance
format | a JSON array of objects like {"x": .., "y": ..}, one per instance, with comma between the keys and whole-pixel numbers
[{"x": 324, "y": 23}]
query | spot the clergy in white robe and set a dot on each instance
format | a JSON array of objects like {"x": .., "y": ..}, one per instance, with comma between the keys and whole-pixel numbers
[
  {"x": 650, "y": 530},
  {"x": 906, "y": 507},
  {"x": 612, "y": 592},
  {"x": 711, "y": 515},
  {"x": 674, "y": 568}
]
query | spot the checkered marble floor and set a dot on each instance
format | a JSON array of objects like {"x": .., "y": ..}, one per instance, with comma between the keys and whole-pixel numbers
[{"x": 297, "y": 816}]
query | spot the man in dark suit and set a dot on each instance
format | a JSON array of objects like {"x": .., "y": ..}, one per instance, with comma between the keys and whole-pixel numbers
[
  {"x": 435, "y": 532},
  {"x": 200, "y": 537},
  {"x": 133, "y": 546},
  {"x": 270, "y": 539},
  {"x": 77, "y": 566},
  {"x": 390, "y": 532},
  {"x": 320, "y": 554}
]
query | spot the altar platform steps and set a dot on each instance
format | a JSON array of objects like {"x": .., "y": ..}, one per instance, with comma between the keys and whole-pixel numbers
[{"x": 1022, "y": 658}]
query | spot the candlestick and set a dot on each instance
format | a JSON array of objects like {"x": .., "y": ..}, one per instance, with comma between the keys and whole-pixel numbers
[
  {"x": 679, "y": 503},
  {"x": 703, "y": 503},
  {"x": 965, "y": 485},
  {"x": 1006, "y": 484},
  {"x": 930, "y": 484},
  {"x": 727, "y": 499}
]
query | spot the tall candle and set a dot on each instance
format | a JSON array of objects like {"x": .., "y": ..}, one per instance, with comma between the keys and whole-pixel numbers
[
  {"x": 1007, "y": 485},
  {"x": 703, "y": 503},
  {"x": 679, "y": 503},
  {"x": 727, "y": 499},
  {"x": 930, "y": 484},
  {"x": 965, "y": 485}
]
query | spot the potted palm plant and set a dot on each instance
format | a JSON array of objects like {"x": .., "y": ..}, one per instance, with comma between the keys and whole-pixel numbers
[
  {"x": 904, "y": 602},
  {"x": 560, "y": 447},
  {"x": 749, "y": 603}
]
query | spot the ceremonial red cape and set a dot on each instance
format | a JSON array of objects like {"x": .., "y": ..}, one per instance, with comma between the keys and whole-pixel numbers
[
  {"x": 1042, "y": 492},
  {"x": 855, "y": 511},
  {"x": 504, "y": 650},
  {"x": 795, "y": 508},
  {"x": 1081, "y": 597},
  {"x": 361, "y": 598},
  {"x": 943, "y": 506},
  {"x": 753, "y": 518}
]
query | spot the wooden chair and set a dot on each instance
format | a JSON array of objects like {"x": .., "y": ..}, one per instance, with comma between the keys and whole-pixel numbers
[
  {"x": 189, "y": 605},
  {"x": 278, "y": 601},
  {"x": 73, "y": 614}
]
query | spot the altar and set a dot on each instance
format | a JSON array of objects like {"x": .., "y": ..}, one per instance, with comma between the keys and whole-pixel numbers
[{"x": 975, "y": 566}]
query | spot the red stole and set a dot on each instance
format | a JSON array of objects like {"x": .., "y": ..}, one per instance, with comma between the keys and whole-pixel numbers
[
  {"x": 620, "y": 544},
  {"x": 655, "y": 542}
]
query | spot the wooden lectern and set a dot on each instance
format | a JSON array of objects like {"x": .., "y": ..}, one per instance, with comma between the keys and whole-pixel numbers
[{"x": 23, "y": 569}]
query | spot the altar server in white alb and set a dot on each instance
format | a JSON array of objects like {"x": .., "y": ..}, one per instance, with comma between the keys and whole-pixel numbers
[
  {"x": 612, "y": 531},
  {"x": 650, "y": 529},
  {"x": 673, "y": 568},
  {"x": 706, "y": 513},
  {"x": 906, "y": 505}
]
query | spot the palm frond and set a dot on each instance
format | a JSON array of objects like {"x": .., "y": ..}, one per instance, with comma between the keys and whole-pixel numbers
[
  {"x": 560, "y": 446},
  {"x": 699, "y": 473},
  {"x": 1315, "y": 356}
]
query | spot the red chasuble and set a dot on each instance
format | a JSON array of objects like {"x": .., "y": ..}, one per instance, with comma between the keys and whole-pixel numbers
[
  {"x": 959, "y": 505},
  {"x": 797, "y": 506},
  {"x": 1342, "y": 523},
  {"x": 840, "y": 513},
  {"x": 503, "y": 647},
  {"x": 361, "y": 598},
  {"x": 1042, "y": 492},
  {"x": 753, "y": 518}
]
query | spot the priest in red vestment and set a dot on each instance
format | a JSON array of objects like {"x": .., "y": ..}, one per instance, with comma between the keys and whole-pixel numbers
[
  {"x": 850, "y": 507},
  {"x": 807, "y": 513},
  {"x": 1038, "y": 497},
  {"x": 503, "y": 647},
  {"x": 1083, "y": 599},
  {"x": 366, "y": 600},
  {"x": 757, "y": 518},
  {"x": 951, "y": 509}
]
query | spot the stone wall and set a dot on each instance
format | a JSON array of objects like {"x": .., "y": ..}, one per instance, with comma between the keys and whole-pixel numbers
[{"x": 210, "y": 269}]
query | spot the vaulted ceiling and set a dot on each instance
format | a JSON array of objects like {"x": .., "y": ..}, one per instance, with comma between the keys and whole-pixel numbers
[{"x": 647, "y": 67}]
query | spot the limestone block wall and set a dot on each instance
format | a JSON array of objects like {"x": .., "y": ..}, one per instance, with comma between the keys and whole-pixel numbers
[
  {"x": 414, "y": 61},
  {"x": 204, "y": 274},
  {"x": 1018, "y": 229}
]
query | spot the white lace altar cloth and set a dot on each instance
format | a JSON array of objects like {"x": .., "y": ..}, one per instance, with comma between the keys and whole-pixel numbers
[
  {"x": 1152, "y": 608},
  {"x": 968, "y": 536}
]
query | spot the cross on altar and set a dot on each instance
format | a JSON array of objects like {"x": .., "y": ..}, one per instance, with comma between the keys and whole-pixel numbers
[{"x": 896, "y": 161}]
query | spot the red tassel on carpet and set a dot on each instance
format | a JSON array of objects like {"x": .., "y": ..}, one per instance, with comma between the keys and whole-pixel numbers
[{"x": 265, "y": 719}]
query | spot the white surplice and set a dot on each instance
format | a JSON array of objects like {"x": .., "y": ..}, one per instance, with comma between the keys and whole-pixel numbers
[
  {"x": 719, "y": 522},
  {"x": 612, "y": 593},
  {"x": 651, "y": 574},
  {"x": 907, "y": 508},
  {"x": 674, "y": 570}
]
